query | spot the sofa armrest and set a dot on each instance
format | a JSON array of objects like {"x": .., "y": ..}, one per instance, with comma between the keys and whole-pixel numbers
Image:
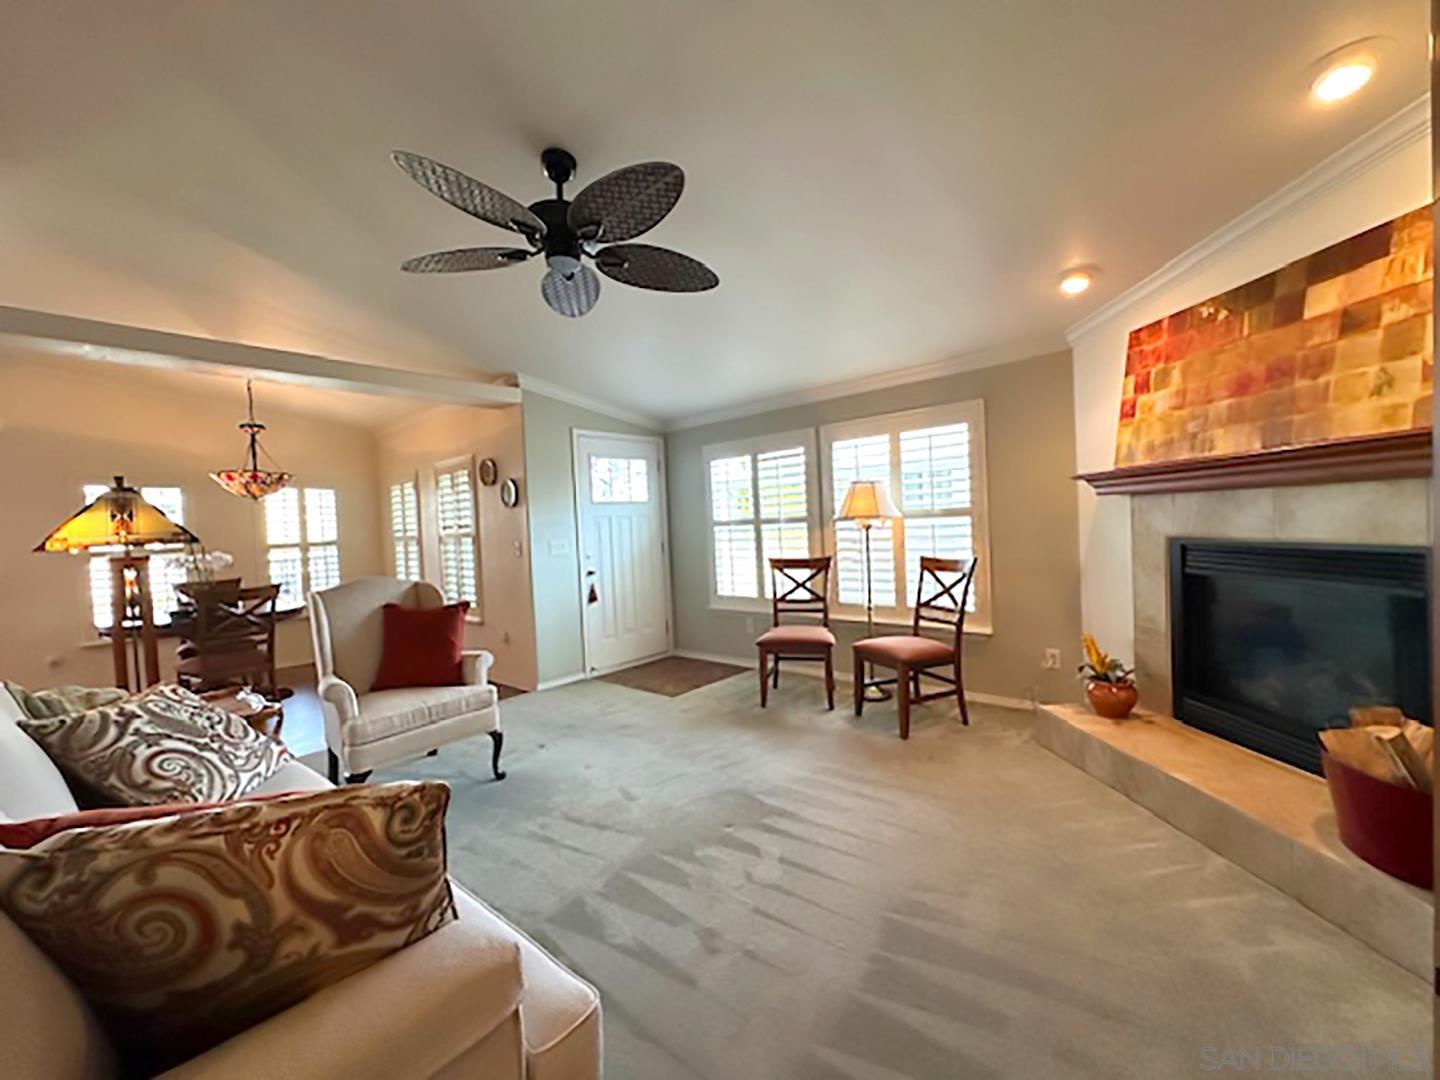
[
  {"x": 409, "y": 1015},
  {"x": 341, "y": 695},
  {"x": 475, "y": 666}
]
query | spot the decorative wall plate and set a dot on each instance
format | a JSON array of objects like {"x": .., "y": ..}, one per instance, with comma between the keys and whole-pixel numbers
[
  {"x": 489, "y": 471},
  {"x": 510, "y": 492}
]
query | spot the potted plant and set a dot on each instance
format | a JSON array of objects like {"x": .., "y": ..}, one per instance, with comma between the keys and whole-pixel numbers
[{"x": 1109, "y": 684}]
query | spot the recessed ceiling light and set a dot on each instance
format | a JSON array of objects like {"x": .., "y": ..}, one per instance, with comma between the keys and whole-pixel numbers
[
  {"x": 1075, "y": 281},
  {"x": 1342, "y": 80},
  {"x": 1341, "y": 73}
]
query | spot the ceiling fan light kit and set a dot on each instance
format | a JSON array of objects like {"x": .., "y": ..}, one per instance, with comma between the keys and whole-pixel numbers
[{"x": 616, "y": 208}]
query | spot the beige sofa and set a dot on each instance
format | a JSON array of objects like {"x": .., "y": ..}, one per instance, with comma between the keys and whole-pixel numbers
[{"x": 476, "y": 999}]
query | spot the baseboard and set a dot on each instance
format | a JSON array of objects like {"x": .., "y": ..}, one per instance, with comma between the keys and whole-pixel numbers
[
  {"x": 817, "y": 671},
  {"x": 563, "y": 680}
]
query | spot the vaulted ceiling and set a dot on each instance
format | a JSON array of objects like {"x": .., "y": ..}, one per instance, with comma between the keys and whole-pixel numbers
[{"x": 878, "y": 185}]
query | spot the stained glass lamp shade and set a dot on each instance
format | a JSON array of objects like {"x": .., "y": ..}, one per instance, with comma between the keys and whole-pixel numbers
[
  {"x": 120, "y": 519},
  {"x": 250, "y": 481}
]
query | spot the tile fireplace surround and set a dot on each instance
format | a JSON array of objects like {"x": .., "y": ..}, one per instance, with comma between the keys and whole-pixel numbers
[
  {"x": 1373, "y": 512},
  {"x": 1271, "y": 819}
]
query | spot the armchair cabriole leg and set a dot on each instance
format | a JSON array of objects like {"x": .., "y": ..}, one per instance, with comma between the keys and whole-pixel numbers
[{"x": 497, "y": 740}]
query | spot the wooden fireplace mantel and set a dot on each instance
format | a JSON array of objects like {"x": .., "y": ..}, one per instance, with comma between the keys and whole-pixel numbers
[{"x": 1393, "y": 456}]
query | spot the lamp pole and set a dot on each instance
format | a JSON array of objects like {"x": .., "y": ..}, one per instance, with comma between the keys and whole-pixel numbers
[{"x": 871, "y": 693}]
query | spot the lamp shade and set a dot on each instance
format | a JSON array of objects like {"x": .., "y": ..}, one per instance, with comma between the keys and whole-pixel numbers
[
  {"x": 120, "y": 518},
  {"x": 867, "y": 500}
]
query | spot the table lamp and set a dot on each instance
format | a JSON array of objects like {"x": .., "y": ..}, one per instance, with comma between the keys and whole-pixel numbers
[
  {"x": 868, "y": 504},
  {"x": 122, "y": 523}
]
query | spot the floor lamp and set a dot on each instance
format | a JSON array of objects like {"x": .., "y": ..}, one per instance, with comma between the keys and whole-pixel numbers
[
  {"x": 868, "y": 504},
  {"x": 122, "y": 523}
]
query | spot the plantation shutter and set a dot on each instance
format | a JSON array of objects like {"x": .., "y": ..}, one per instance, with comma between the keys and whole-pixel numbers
[
  {"x": 784, "y": 508},
  {"x": 732, "y": 522},
  {"x": 935, "y": 496},
  {"x": 863, "y": 458},
  {"x": 455, "y": 496}
]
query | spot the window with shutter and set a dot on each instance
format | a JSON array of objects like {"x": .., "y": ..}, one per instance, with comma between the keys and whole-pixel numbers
[
  {"x": 759, "y": 509},
  {"x": 864, "y": 458},
  {"x": 933, "y": 463},
  {"x": 166, "y": 571},
  {"x": 935, "y": 481},
  {"x": 455, "y": 511},
  {"x": 405, "y": 529},
  {"x": 302, "y": 542}
]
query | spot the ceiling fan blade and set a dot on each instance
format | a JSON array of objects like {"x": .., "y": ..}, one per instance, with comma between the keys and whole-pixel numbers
[
  {"x": 627, "y": 202},
  {"x": 451, "y": 262},
  {"x": 465, "y": 193},
  {"x": 572, "y": 296},
  {"x": 648, "y": 267}
]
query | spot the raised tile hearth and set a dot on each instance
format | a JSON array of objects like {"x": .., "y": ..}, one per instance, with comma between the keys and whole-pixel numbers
[{"x": 1268, "y": 818}]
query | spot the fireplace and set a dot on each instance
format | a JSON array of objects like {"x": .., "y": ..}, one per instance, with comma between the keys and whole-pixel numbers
[{"x": 1272, "y": 642}]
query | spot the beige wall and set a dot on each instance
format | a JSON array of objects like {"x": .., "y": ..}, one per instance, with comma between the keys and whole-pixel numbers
[
  {"x": 66, "y": 423},
  {"x": 503, "y": 621},
  {"x": 554, "y": 555},
  {"x": 1034, "y": 567},
  {"x": 1389, "y": 185}
]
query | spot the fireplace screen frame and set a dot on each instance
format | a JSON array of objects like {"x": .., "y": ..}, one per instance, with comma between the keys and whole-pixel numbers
[{"x": 1403, "y": 570}]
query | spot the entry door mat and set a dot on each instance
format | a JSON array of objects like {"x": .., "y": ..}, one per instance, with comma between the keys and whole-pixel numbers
[{"x": 672, "y": 676}]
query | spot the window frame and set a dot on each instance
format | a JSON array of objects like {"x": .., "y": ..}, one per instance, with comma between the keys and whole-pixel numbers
[
  {"x": 464, "y": 463},
  {"x": 972, "y": 412},
  {"x": 803, "y": 438},
  {"x": 303, "y": 544}
]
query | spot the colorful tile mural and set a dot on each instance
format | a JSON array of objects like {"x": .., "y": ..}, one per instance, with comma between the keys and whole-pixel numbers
[{"x": 1331, "y": 346}]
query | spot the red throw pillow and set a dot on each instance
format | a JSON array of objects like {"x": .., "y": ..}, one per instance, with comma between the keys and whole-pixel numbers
[
  {"x": 422, "y": 646},
  {"x": 23, "y": 835}
]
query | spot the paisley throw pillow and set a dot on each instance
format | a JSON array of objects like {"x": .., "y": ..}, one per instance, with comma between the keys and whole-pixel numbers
[
  {"x": 186, "y": 929},
  {"x": 160, "y": 746}
]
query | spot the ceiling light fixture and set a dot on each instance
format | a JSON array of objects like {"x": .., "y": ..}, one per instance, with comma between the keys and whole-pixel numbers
[
  {"x": 1342, "y": 73},
  {"x": 1076, "y": 280},
  {"x": 1342, "y": 80},
  {"x": 250, "y": 481}
]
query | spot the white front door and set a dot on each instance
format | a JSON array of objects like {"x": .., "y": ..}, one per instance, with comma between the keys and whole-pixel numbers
[{"x": 624, "y": 583}]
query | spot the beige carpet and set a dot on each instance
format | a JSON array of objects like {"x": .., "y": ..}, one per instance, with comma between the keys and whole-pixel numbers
[
  {"x": 797, "y": 894},
  {"x": 673, "y": 676}
]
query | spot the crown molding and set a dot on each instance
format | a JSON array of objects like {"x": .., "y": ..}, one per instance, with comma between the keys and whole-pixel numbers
[
  {"x": 115, "y": 343},
  {"x": 1391, "y": 136},
  {"x": 532, "y": 385},
  {"x": 1023, "y": 349}
]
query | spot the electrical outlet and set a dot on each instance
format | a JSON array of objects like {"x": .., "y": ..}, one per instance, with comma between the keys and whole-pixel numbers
[{"x": 1051, "y": 662}]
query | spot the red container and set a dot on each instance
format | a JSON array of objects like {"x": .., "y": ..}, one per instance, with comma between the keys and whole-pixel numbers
[{"x": 1389, "y": 827}]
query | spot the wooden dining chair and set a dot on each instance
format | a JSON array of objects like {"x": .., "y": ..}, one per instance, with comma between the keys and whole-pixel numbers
[
  {"x": 798, "y": 587},
  {"x": 230, "y": 638},
  {"x": 913, "y": 655}
]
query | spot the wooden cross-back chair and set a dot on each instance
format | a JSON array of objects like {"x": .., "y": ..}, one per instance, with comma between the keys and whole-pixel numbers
[
  {"x": 941, "y": 596},
  {"x": 799, "y": 587},
  {"x": 230, "y": 639}
]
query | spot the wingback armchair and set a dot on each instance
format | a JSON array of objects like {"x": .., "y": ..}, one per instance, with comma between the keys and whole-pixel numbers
[{"x": 368, "y": 729}]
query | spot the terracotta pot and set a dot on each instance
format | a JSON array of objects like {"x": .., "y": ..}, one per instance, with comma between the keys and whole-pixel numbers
[{"x": 1111, "y": 700}]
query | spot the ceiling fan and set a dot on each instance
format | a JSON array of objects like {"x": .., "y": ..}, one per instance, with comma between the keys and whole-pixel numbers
[{"x": 616, "y": 208}]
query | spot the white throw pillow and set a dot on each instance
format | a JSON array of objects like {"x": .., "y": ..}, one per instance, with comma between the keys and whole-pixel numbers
[{"x": 30, "y": 784}]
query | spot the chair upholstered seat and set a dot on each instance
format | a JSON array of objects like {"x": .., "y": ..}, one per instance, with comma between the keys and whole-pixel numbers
[
  {"x": 800, "y": 637},
  {"x": 386, "y": 713},
  {"x": 906, "y": 649}
]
